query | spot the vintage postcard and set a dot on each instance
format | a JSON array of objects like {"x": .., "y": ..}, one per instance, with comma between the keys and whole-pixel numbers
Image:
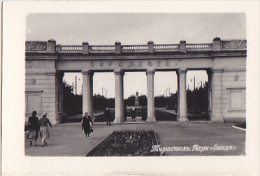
[{"x": 118, "y": 88}]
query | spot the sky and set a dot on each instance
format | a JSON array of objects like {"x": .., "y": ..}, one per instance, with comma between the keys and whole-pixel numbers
[{"x": 135, "y": 29}]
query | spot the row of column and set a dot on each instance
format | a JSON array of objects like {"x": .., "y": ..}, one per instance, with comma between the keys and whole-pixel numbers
[{"x": 214, "y": 104}]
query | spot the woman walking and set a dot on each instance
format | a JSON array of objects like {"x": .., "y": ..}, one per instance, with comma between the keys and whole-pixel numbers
[
  {"x": 33, "y": 128},
  {"x": 44, "y": 132},
  {"x": 86, "y": 124}
]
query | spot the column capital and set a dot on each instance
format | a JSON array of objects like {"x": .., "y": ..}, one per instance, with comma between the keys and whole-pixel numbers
[
  {"x": 150, "y": 72},
  {"x": 119, "y": 72},
  {"x": 87, "y": 72},
  {"x": 182, "y": 71}
]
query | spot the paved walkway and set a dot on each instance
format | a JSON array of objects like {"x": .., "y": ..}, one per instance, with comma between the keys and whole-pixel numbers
[{"x": 69, "y": 139}]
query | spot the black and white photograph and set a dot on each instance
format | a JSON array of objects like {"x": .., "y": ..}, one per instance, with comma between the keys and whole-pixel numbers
[{"x": 133, "y": 88}]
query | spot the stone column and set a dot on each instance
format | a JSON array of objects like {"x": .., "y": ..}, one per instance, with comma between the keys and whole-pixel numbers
[
  {"x": 119, "y": 96},
  {"x": 150, "y": 96},
  {"x": 216, "y": 82},
  {"x": 87, "y": 94},
  {"x": 182, "y": 97},
  {"x": 209, "y": 93},
  {"x": 59, "y": 94}
]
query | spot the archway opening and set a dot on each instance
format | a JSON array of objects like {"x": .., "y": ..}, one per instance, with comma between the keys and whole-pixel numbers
[
  {"x": 197, "y": 95},
  {"x": 103, "y": 95},
  {"x": 165, "y": 93},
  {"x": 135, "y": 96},
  {"x": 70, "y": 98}
]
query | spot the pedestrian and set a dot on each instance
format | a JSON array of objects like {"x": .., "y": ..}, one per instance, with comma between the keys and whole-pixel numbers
[
  {"x": 108, "y": 116},
  {"x": 86, "y": 125},
  {"x": 133, "y": 114},
  {"x": 33, "y": 128},
  {"x": 44, "y": 132}
]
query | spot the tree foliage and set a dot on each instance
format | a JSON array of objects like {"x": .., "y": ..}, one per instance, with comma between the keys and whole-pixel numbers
[{"x": 72, "y": 104}]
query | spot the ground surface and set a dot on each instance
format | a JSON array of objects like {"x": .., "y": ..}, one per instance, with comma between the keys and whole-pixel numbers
[{"x": 69, "y": 140}]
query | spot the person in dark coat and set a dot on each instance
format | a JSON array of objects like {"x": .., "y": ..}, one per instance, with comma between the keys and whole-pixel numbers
[
  {"x": 133, "y": 114},
  {"x": 33, "y": 128},
  {"x": 86, "y": 124},
  {"x": 108, "y": 116}
]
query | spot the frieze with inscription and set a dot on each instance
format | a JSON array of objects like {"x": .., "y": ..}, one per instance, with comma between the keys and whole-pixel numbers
[{"x": 160, "y": 63}]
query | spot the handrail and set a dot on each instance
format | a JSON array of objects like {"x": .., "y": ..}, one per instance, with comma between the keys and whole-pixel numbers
[
  {"x": 166, "y": 47},
  {"x": 101, "y": 48},
  {"x": 217, "y": 45},
  {"x": 199, "y": 46},
  {"x": 134, "y": 48},
  {"x": 69, "y": 48}
]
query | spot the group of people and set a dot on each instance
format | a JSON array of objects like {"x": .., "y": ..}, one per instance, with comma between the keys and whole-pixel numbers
[{"x": 36, "y": 125}]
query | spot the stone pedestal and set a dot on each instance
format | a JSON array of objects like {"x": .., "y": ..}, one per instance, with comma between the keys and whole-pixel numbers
[
  {"x": 87, "y": 98},
  {"x": 182, "y": 97},
  {"x": 119, "y": 98},
  {"x": 150, "y": 96}
]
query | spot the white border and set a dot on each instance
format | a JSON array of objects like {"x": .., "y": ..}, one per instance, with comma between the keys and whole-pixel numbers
[{"x": 14, "y": 161}]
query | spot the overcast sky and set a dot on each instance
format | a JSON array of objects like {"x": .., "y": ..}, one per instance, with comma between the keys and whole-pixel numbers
[{"x": 133, "y": 28}]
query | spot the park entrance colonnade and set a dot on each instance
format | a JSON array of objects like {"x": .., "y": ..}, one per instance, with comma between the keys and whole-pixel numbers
[{"x": 224, "y": 61}]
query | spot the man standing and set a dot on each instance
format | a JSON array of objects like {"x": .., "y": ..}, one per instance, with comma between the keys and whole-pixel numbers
[{"x": 108, "y": 117}]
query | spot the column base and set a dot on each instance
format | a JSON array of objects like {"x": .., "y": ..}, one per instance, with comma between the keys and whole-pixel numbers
[
  {"x": 151, "y": 119},
  {"x": 217, "y": 119},
  {"x": 118, "y": 120},
  {"x": 183, "y": 119}
]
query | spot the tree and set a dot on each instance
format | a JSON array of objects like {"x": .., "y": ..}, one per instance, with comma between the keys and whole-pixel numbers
[{"x": 72, "y": 104}]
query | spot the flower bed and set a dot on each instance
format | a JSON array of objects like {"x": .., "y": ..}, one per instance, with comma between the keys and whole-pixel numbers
[{"x": 127, "y": 143}]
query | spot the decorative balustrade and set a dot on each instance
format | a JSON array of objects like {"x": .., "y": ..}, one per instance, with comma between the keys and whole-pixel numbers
[
  {"x": 101, "y": 49},
  {"x": 217, "y": 45},
  {"x": 166, "y": 48},
  {"x": 134, "y": 48},
  {"x": 234, "y": 44},
  {"x": 69, "y": 48},
  {"x": 206, "y": 46},
  {"x": 35, "y": 46}
]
